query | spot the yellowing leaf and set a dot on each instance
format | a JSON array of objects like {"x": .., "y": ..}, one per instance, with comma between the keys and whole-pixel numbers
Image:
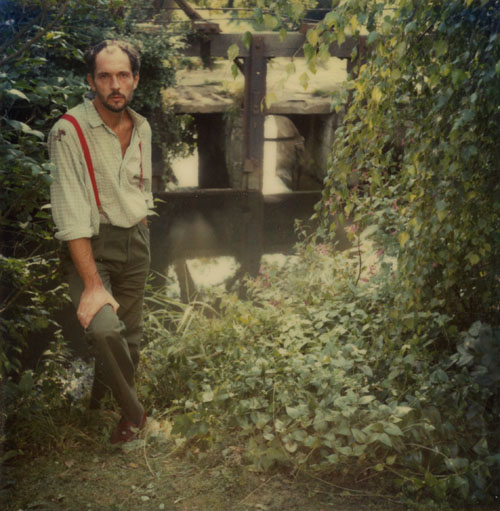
[
  {"x": 403, "y": 238},
  {"x": 270, "y": 99},
  {"x": 354, "y": 23},
  {"x": 473, "y": 258},
  {"x": 270, "y": 22},
  {"x": 312, "y": 37},
  {"x": 304, "y": 80},
  {"x": 442, "y": 215},
  {"x": 376, "y": 94}
]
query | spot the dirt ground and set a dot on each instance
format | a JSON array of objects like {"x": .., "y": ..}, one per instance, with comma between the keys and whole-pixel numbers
[
  {"x": 155, "y": 473},
  {"x": 118, "y": 480}
]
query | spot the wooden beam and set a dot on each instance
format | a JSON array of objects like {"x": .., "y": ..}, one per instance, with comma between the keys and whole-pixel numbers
[{"x": 274, "y": 46}]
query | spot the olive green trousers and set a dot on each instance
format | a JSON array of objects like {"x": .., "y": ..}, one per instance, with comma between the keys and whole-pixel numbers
[{"x": 122, "y": 256}]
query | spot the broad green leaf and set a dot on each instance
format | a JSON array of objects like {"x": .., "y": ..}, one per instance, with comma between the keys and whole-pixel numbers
[
  {"x": 458, "y": 76},
  {"x": 233, "y": 51},
  {"x": 401, "y": 49},
  {"x": 366, "y": 399},
  {"x": 331, "y": 18},
  {"x": 234, "y": 70},
  {"x": 392, "y": 429},
  {"x": 442, "y": 215},
  {"x": 481, "y": 447},
  {"x": 291, "y": 446},
  {"x": 457, "y": 464},
  {"x": 346, "y": 450},
  {"x": 358, "y": 435},
  {"x": 390, "y": 460},
  {"x": 340, "y": 37},
  {"x": 411, "y": 27},
  {"x": 440, "y": 47},
  {"x": 207, "y": 396},
  {"x": 402, "y": 410},
  {"x": 247, "y": 39},
  {"x": 473, "y": 258},
  {"x": 372, "y": 37},
  {"x": 312, "y": 37},
  {"x": 17, "y": 93},
  {"x": 385, "y": 439},
  {"x": 270, "y": 22}
]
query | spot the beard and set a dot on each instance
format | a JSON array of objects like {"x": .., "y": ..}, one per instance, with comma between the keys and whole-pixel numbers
[{"x": 112, "y": 107}]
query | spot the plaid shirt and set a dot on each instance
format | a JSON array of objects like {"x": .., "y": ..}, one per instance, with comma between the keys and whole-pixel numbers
[{"x": 118, "y": 178}]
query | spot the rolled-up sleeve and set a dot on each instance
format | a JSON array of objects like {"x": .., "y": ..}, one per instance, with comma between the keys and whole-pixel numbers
[{"x": 70, "y": 202}]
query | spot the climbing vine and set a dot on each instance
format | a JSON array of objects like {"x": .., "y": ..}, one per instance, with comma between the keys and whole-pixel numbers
[{"x": 420, "y": 136}]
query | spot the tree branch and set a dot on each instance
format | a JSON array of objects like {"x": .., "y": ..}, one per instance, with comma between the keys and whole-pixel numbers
[
  {"x": 35, "y": 38},
  {"x": 21, "y": 33}
]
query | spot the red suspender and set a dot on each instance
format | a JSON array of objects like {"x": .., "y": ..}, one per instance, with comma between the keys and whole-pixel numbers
[
  {"x": 140, "y": 150},
  {"x": 88, "y": 158},
  {"x": 86, "y": 154}
]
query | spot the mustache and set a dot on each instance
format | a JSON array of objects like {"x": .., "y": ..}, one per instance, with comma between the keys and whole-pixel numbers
[{"x": 114, "y": 95}]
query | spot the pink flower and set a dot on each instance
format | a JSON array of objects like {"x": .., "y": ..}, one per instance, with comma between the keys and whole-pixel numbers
[{"x": 322, "y": 249}]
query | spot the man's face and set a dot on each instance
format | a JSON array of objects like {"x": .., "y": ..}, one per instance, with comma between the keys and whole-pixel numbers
[{"x": 113, "y": 81}]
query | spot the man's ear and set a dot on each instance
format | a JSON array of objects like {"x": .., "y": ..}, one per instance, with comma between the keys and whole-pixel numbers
[
  {"x": 90, "y": 79},
  {"x": 136, "y": 80}
]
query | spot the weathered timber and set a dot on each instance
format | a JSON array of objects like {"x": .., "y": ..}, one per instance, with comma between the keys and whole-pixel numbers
[
  {"x": 290, "y": 46},
  {"x": 253, "y": 114}
]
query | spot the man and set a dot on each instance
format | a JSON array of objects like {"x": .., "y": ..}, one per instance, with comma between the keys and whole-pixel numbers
[{"x": 100, "y": 196}]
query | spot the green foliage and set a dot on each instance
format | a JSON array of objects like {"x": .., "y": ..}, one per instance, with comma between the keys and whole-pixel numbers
[
  {"x": 43, "y": 74},
  {"x": 420, "y": 132},
  {"x": 314, "y": 374},
  {"x": 35, "y": 405}
]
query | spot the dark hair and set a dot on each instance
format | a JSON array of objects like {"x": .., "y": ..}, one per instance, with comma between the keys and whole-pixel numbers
[{"x": 133, "y": 54}]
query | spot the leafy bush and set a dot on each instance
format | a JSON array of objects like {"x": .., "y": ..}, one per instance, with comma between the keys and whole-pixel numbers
[
  {"x": 420, "y": 134},
  {"x": 314, "y": 374}
]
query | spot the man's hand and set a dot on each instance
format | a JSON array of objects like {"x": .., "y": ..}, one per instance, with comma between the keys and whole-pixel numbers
[
  {"x": 91, "y": 302},
  {"x": 94, "y": 296}
]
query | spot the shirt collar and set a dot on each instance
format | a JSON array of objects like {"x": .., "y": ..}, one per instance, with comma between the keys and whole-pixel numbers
[{"x": 95, "y": 119}]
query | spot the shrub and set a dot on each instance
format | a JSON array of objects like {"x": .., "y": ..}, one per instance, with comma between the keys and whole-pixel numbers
[{"x": 315, "y": 375}]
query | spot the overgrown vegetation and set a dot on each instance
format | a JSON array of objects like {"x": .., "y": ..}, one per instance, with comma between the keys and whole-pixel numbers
[
  {"x": 374, "y": 374},
  {"x": 313, "y": 374},
  {"x": 43, "y": 75}
]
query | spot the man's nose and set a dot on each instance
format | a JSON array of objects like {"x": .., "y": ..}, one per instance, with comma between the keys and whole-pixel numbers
[{"x": 115, "y": 84}]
